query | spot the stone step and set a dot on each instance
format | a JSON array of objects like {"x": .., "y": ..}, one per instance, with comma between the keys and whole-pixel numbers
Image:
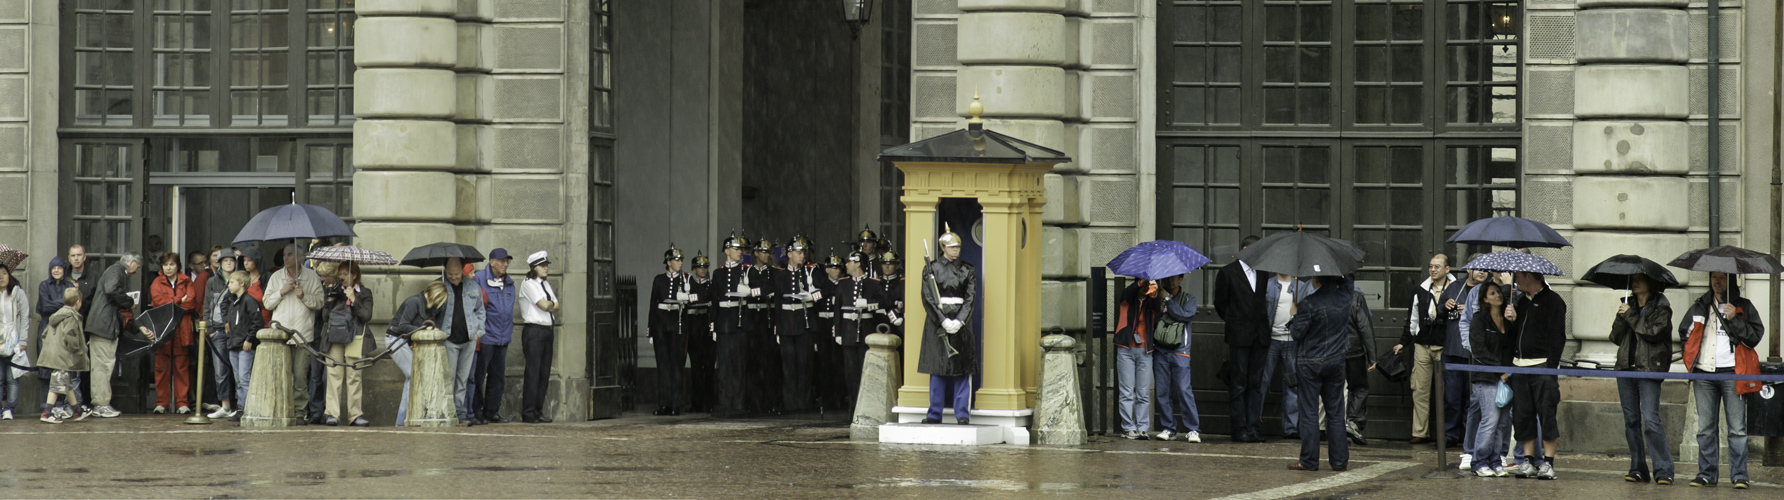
[{"x": 955, "y": 434}]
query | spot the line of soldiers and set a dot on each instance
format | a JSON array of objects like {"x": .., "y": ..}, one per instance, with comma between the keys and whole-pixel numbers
[{"x": 760, "y": 338}]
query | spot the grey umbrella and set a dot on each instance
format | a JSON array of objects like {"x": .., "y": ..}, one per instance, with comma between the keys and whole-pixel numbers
[
  {"x": 293, "y": 221},
  {"x": 437, "y": 253}
]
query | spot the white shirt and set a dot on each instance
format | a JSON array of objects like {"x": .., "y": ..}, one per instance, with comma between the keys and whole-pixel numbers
[
  {"x": 1714, "y": 352},
  {"x": 1284, "y": 301},
  {"x": 1250, "y": 276},
  {"x": 531, "y": 292}
]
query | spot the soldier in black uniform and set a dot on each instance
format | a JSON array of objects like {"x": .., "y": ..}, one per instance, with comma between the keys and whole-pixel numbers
[
  {"x": 868, "y": 244},
  {"x": 857, "y": 300},
  {"x": 828, "y": 373},
  {"x": 669, "y": 296},
  {"x": 730, "y": 322},
  {"x": 948, "y": 355},
  {"x": 892, "y": 291},
  {"x": 702, "y": 342},
  {"x": 797, "y": 295},
  {"x": 763, "y": 379}
]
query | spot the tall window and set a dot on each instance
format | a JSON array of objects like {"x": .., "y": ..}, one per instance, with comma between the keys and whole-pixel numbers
[
  {"x": 895, "y": 109},
  {"x": 1386, "y": 122}
]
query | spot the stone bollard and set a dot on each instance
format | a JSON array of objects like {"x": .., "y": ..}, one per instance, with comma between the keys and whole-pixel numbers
[
  {"x": 881, "y": 375},
  {"x": 1059, "y": 418},
  {"x": 269, "y": 385},
  {"x": 430, "y": 387}
]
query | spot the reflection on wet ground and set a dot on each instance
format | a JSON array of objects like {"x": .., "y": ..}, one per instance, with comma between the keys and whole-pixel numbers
[{"x": 696, "y": 457}]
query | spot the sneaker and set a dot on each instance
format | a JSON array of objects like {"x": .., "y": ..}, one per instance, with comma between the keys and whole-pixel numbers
[
  {"x": 50, "y": 417},
  {"x": 1663, "y": 481},
  {"x": 1546, "y": 472},
  {"x": 212, "y": 406},
  {"x": 1134, "y": 435},
  {"x": 1740, "y": 484},
  {"x": 1700, "y": 482},
  {"x": 81, "y": 412},
  {"x": 105, "y": 411},
  {"x": 62, "y": 412},
  {"x": 1356, "y": 435},
  {"x": 1524, "y": 470},
  {"x": 1485, "y": 471},
  {"x": 1192, "y": 436},
  {"x": 159, "y": 410},
  {"x": 6, "y": 415},
  {"x": 220, "y": 413},
  {"x": 1467, "y": 462},
  {"x": 183, "y": 410},
  {"x": 1164, "y": 435},
  {"x": 1501, "y": 472},
  {"x": 1507, "y": 462}
]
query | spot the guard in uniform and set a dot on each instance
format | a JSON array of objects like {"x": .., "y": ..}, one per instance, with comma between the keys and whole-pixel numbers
[
  {"x": 868, "y": 244},
  {"x": 828, "y": 375},
  {"x": 948, "y": 355},
  {"x": 763, "y": 381},
  {"x": 797, "y": 292},
  {"x": 892, "y": 291},
  {"x": 669, "y": 296},
  {"x": 702, "y": 342},
  {"x": 731, "y": 323},
  {"x": 857, "y": 300}
]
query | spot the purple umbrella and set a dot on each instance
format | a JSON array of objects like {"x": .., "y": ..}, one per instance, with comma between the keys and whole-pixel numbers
[{"x": 1156, "y": 260}]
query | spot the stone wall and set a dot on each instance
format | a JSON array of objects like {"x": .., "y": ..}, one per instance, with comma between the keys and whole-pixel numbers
[
  {"x": 28, "y": 117},
  {"x": 1066, "y": 74}
]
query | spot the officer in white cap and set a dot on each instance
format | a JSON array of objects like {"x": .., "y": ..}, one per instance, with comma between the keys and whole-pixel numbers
[{"x": 538, "y": 307}]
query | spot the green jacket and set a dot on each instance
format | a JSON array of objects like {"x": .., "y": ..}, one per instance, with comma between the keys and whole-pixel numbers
[{"x": 64, "y": 342}]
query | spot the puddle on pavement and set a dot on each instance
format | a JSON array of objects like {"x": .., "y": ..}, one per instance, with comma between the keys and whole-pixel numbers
[
  {"x": 44, "y": 471},
  {"x": 199, "y": 452},
  {"x": 991, "y": 484}
]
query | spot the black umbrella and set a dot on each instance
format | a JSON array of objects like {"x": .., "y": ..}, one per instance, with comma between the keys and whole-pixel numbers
[
  {"x": 1297, "y": 253},
  {"x": 437, "y": 253},
  {"x": 163, "y": 320},
  {"x": 1615, "y": 272},
  {"x": 292, "y": 221},
  {"x": 1514, "y": 232},
  {"x": 1728, "y": 260}
]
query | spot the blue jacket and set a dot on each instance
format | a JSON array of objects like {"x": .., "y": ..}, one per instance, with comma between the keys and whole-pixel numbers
[
  {"x": 1321, "y": 328},
  {"x": 498, "y": 316},
  {"x": 49, "y": 293},
  {"x": 1180, "y": 308}
]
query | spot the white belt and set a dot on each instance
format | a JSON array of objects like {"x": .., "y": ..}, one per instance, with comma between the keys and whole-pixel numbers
[
  {"x": 731, "y": 303},
  {"x": 952, "y": 301},
  {"x": 760, "y": 306},
  {"x": 793, "y": 307},
  {"x": 856, "y": 316},
  {"x": 826, "y": 315},
  {"x": 669, "y": 307}
]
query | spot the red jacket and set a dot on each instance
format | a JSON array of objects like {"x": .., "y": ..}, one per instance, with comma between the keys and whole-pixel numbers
[
  {"x": 179, "y": 292},
  {"x": 1741, "y": 326}
]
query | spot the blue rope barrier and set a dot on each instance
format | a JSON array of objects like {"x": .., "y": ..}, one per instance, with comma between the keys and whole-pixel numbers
[{"x": 1584, "y": 372}]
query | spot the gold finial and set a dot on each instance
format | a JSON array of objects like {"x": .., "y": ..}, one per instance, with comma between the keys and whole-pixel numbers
[{"x": 976, "y": 109}]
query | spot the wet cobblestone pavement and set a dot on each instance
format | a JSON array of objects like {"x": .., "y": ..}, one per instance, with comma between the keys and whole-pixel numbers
[{"x": 697, "y": 457}]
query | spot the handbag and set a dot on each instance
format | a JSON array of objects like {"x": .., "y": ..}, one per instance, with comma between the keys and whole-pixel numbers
[{"x": 1503, "y": 397}]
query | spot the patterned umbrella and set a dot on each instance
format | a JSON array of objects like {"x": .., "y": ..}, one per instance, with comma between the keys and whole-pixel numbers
[
  {"x": 346, "y": 253},
  {"x": 1158, "y": 259},
  {"x": 11, "y": 256},
  {"x": 1514, "y": 261}
]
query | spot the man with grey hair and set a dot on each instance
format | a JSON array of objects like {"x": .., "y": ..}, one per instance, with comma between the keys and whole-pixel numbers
[
  {"x": 104, "y": 321},
  {"x": 294, "y": 294}
]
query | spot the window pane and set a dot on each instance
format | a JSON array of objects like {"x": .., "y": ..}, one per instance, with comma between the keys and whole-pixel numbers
[
  {"x": 1279, "y": 105},
  {"x": 1226, "y": 23},
  {"x": 103, "y": 68},
  {"x": 1409, "y": 104},
  {"x": 1316, "y": 105},
  {"x": 1226, "y": 105},
  {"x": 1372, "y": 22},
  {"x": 1316, "y": 23},
  {"x": 1409, "y": 63},
  {"x": 1191, "y": 165},
  {"x": 1226, "y": 165},
  {"x": 1372, "y": 105},
  {"x": 1225, "y": 64},
  {"x": 1372, "y": 64},
  {"x": 1409, "y": 21},
  {"x": 1189, "y": 203},
  {"x": 1279, "y": 64},
  {"x": 1191, "y": 22},
  {"x": 324, "y": 67},
  {"x": 321, "y": 163},
  {"x": 1190, "y": 106},
  {"x": 1316, "y": 64}
]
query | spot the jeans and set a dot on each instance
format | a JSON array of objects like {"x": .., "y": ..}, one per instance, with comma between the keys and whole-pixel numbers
[
  {"x": 1322, "y": 382},
  {"x": 1642, "y": 427},
  {"x": 224, "y": 373},
  {"x": 405, "y": 361},
  {"x": 1133, "y": 377},
  {"x": 1170, "y": 371},
  {"x": 1246, "y": 388},
  {"x": 1711, "y": 394},
  {"x": 243, "y": 364},
  {"x": 1282, "y": 354},
  {"x": 1488, "y": 444},
  {"x": 9, "y": 389},
  {"x": 489, "y": 381},
  {"x": 459, "y": 358}
]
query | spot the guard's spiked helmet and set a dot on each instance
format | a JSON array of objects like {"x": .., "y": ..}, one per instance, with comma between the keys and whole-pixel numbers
[
  {"x": 857, "y": 256},
  {"x": 833, "y": 260},
  {"x": 701, "y": 262},
  {"x": 737, "y": 242},
  {"x": 890, "y": 257},
  {"x": 885, "y": 244},
  {"x": 672, "y": 254},
  {"x": 867, "y": 235},
  {"x": 764, "y": 246},
  {"x": 948, "y": 238},
  {"x": 799, "y": 243}
]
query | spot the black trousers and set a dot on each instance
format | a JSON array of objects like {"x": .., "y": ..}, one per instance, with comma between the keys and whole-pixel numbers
[
  {"x": 853, "y": 357},
  {"x": 702, "y": 370},
  {"x": 1533, "y": 403},
  {"x": 827, "y": 372},
  {"x": 1245, "y": 388},
  {"x": 732, "y": 352},
  {"x": 764, "y": 371},
  {"x": 1356, "y": 377},
  {"x": 318, "y": 385},
  {"x": 796, "y": 369},
  {"x": 489, "y": 380},
  {"x": 536, "y": 344},
  {"x": 672, "y": 357}
]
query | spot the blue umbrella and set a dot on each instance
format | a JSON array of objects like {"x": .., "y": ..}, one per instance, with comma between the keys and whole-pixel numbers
[
  {"x": 291, "y": 221},
  {"x": 1514, "y": 232},
  {"x": 1159, "y": 259},
  {"x": 1514, "y": 261}
]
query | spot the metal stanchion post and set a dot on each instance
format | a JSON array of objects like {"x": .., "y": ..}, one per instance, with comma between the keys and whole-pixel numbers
[
  {"x": 1443, "y": 469},
  {"x": 198, "y": 417}
]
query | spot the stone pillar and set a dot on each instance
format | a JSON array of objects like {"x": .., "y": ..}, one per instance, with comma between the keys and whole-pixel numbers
[
  {"x": 919, "y": 228},
  {"x": 430, "y": 386},
  {"x": 405, "y": 144},
  {"x": 1059, "y": 418},
  {"x": 269, "y": 386},
  {"x": 880, "y": 380}
]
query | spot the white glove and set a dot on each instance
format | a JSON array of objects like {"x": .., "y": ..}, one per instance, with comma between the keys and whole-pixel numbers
[
  {"x": 804, "y": 297},
  {"x": 653, "y": 340},
  {"x": 838, "y": 339},
  {"x": 715, "y": 336},
  {"x": 860, "y": 302},
  {"x": 682, "y": 296},
  {"x": 815, "y": 296},
  {"x": 951, "y": 325},
  {"x": 776, "y": 340},
  {"x": 755, "y": 292},
  {"x": 693, "y": 297},
  {"x": 896, "y": 321},
  {"x": 743, "y": 289}
]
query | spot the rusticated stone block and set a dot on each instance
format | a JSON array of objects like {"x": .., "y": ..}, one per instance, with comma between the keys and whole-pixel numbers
[
  {"x": 1633, "y": 35},
  {"x": 1630, "y": 91},
  {"x": 1620, "y": 202},
  {"x": 404, "y": 144},
  {"x": 1640, "y": 147},
  {"x": 405, "y": 42}
]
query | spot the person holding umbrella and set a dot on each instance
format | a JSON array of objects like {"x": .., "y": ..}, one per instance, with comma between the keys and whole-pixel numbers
[
  {"x": 1539, "y": 319},
  {"x": 104, "y": 323},
  {"x": 1720, "y": 331},
  {"x": 1642, "y": 331},
  {"x": 1138, "y": 317},
  {"x": 1322, "y": 329},
  {"x": 294, "y": 295}
]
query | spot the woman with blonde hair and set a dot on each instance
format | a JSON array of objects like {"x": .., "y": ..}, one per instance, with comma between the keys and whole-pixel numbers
[{"x": 419, "y": 311}]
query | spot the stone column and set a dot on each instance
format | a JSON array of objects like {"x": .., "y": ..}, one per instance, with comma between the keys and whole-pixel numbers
[
  {"x": 404, "y": 144},
  {"x": 430, "y": 386},
  {"x": 269, "y": 386},
  {"x": 1059, "y": 418},
  {"x": 880, "y": 380},
  {"x": 919, "y": 227}
]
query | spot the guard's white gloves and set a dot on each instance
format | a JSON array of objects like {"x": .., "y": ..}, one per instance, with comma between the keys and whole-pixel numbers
[
  {"x": 755, "y": 292},
  {"x": 804, "y": 297},
  {"x": 693, "y": 297},
  {"x": 715, "y": 336},
  {"x": 897, "y": 321},
  {"x": 951, "y": 325},
  {"x": 838, "y": 339},
  {"x": 653, "y": 340},
  {"x": 777, "y": 340},
  {"x": 860, "y": 302},
  {"x": 816, "y": 296},
  {"x": 682, "y": 296},
  {"x": 743, "y": 289}
]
